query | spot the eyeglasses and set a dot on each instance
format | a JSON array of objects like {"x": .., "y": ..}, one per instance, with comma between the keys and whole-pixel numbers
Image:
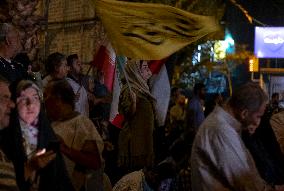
[{"x": 5, "y": 98}]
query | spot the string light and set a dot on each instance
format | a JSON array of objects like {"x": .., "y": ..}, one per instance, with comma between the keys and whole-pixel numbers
[{"x": 247, "y": 15}]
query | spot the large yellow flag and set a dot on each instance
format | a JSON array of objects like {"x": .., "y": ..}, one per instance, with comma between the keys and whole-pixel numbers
[{"x": 149, "y": 31}]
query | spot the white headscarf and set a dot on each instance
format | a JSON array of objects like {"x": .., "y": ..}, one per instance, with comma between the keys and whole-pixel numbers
[{"x": 133, "y": 72}]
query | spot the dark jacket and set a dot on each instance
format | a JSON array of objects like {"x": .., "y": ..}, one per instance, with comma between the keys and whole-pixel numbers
[
  {"x": 13, "y": 71},
  {"x": 266, "y": 152},
  {"x": 54, "y": 176}
]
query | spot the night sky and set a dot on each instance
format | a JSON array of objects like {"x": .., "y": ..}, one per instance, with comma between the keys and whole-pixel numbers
[{"x": 269, "y": 12}]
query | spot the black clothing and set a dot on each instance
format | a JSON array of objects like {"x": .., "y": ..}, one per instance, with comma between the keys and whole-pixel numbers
[
  {"x": 100, "y": 110},
  {"x": 266, "y": 152},
  {"x": 54, "y": 176},
  {"x": 13, "y": 71}
]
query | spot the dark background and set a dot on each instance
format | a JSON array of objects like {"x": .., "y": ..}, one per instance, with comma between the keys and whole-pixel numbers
[{"x": 268, "y": 12}]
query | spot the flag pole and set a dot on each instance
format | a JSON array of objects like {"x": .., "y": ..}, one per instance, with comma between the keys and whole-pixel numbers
[
  {"x": 86, "y": 75},
  {"x": 126, "y": 76}
]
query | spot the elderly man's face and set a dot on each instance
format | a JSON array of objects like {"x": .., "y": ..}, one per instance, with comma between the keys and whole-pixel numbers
[
  {"x": 14, "y": 41},
  {"x": 5, "y": 105},
  {"x": 253, "y": 118}
]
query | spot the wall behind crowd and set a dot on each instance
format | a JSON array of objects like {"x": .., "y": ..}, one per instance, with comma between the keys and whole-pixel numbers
[
  {"x": 66, "y": 26},
  {"x": 72, "y": 28}
]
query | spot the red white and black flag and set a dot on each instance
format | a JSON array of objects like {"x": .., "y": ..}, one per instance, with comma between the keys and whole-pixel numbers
[
  {"x": 160, "y": 88},
  {"x": 104, "y": 61}
]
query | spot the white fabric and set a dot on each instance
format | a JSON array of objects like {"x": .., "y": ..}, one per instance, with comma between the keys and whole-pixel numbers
[
  {"x": 220, "y": 160},
  {"x": 161, "y": 90},
  {"x": 30, "y": 136},
  {"x": 115, "y": 94},
  {"x": 130, "y": 182},
  {"x": 82, "y": 104}
]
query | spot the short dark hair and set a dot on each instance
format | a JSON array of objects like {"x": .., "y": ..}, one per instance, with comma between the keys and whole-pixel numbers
[
  {"x": 4, "y": 80},
  {"x": 275, "y": 94},
  {"x": 63, "y": 91},
  {"x": 174, "y": 90},
  {"x": 248, "y": 96},
  {"x": 53, "y": 61},
  {"x": 198, "y": 87},
  {"x": 24, "y": 59},
  {"x": 71, "y": 58}
]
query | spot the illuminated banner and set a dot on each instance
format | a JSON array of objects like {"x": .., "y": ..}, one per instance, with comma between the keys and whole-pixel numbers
[{"x": 269, "y": 42}]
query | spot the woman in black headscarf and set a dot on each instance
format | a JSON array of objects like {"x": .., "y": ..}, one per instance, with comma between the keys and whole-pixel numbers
[{"x": 31, "y": 144}]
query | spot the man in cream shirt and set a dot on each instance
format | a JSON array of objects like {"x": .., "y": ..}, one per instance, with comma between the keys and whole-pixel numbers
[{"x": 220, "y": 160}]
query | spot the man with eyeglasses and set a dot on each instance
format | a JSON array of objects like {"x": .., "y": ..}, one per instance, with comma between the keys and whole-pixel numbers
[{"x": 7, "y": 173}]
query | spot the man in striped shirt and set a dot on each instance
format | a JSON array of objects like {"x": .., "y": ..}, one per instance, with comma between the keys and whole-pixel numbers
[{"x": 7, "y": 172}]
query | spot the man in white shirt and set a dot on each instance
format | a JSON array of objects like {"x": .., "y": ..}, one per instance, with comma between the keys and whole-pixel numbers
[
  {"x": 57, "y": 68},
  {"x": 76, "y": 80},
  {"x": 220, "y": 160}
]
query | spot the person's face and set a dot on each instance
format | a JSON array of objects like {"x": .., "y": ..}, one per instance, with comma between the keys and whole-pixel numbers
[
  {"x": 145, "y": 71},
  {"x": 14, "y": 42},
  {"x": 62, "y": 69},
  {"x": 28, "y": 105},
  {"x": 6, "y": 105},
  {"x": 252, "y": 118},
  {"x": 77, "y": 66}
]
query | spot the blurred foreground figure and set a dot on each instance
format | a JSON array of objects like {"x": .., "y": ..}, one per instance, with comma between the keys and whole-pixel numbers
[
  {"x": 220, "y": 160},
  {"x": 7, "y": 173},
  {"x": 81, "y": 144},
  {"x": 264, "y": 148},
  {"x": 195, "y": 113}
]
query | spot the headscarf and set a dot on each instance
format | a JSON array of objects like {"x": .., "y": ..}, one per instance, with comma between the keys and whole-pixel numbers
[
  {"x": 133, "y": 72},
  {"x": 25, "y": 84},
  {"x": 29, "y": 131}
]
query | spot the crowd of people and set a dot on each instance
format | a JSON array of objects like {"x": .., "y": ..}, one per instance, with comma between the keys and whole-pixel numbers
[{"x": 55, "y": 133}]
